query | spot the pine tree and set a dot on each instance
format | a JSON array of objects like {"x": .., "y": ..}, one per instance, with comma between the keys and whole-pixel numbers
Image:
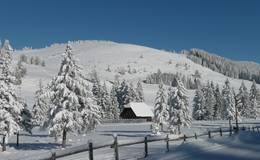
[
  {"x": 115, "y": 111},
  {"x": 160, "y": 109},
  {"x": 12, "y": 109},
  {"x": 139, "y": 92},
  {"x": 132, "y": 94},
  {"x": 72, "y": 106},
  {"x": 19, "y": 72},
  {"x": 40, "y": 108},
  {"x": 179, "y": 114},
  {"x": 228, "y": 102},
  {"x": 252, "y": 110},
  {"x": 123, "y": 94},
  {"x": 243, "y": 101},
  {"x": 209, "y": 102},
  {"x": 199, "y": 108},
  {"x": 218, "y": 108}
]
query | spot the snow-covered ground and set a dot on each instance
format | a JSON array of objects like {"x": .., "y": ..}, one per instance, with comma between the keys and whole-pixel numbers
[
  {"x": 99, "y": 55},
  {"x": 40, "y": 144}
]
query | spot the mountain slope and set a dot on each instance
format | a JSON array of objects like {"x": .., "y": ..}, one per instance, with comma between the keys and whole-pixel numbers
[{"x": 99, "y": 55}]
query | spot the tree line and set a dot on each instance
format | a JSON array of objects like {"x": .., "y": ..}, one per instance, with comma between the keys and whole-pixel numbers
[{"x": 242, "y": 70}]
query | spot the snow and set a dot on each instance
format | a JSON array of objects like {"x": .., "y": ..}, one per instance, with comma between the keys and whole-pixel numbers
[
  {"x": 140, "y": 109},
  {"x": 99, "y": 55},
  {"x": 238, "y": 147}
]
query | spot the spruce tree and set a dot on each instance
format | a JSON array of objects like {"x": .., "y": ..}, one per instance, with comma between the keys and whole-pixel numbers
[
  {"x": 218, "y": 108},
  {"x": 228, "y": 102},
  {"x": 13, "y": 111},
  {"x": 209, "y": 101},
  {"x": 243, "y": 101},
  {"x": 115, "y": 111},
  {"x": 72, "y": 106},
  {"x": 252, "y": 110},
  {"x": 179, "y": 113},
  {"x": 40, "y": 107},
  {"x": 160, "y": 109},
  {"x": 139, "y": 92},
  {"x": 199, "y": 108}
]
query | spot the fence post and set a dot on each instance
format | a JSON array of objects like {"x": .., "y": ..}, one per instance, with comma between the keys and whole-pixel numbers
[
  {"x": 90, "y": 147},
  {"x": 195, "y": 135},
  {"x": 4, "y": 144},
  {"x": 184, "y": 137},
  {"x": 17, "y": 139},
  {"x": 249, "y": 128},
  {"x": 145, "y": 147},
  {"x": 230, "y": 131},
  {"x": 209, "y": 134},
  {"x": 253, "y": 129},
  {"x": 53, "y": 155},
  {"x": 167, "y": 143},
  {"x": 116, "y": 147},
  {"x": 220, "y": 132},
  {"x": 257, "y": 129}
]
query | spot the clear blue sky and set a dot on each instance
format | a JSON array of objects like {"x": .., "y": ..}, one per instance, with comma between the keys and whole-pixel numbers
[{"x": 230, "y": 28}]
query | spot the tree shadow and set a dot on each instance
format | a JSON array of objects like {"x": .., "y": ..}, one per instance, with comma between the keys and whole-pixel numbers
[{"x": 35, "y": 146}]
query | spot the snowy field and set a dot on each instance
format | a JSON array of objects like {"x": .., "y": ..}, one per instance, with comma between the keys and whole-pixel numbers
[{"x": 40, "y": 144}]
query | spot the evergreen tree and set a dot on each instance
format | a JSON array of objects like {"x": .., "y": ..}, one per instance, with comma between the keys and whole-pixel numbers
[
  {"x": 218, "y": 108},
  {"x": 243, "y": 101},
  {"x": 132, "y": 94},
  {"x": 115, "y": 111},
  {"x": 123, "y": 94},
  {"x": 179, "y": 114},
  {"x": 40, "y": 108},
  {"x": 252, "y": 110},
  {"x": 160, "y": 109},
  {"x": 199, "y": 108},
  {"x": 209, "y": 102},
  {"x": 228, "y": 102},
  {"x": 72, "y": 106},
  {"x": 12, "y": 109},
  {"x": 139, "y": 92}
]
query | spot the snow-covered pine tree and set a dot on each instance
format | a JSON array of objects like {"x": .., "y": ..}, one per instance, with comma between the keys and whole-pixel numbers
[
  {"x": 20, "y": 71},
  {"x": 11, "y": 106},
  {"x": 105, "y": 103},
  {"x": 243, "y": 101},
  {"x": 123, "y": 94},
  {"x": 72, "y": 105},
  {"x": 160, "y": 109},
  {"x": 199, "y": 108},
  {"x": 40, "y": 107},
  {"x": 179, "y": 113},
  {"x": 115, "y": 111},
  {"x": 139, "y": 92},
  {"x": 209, "y": 101},
  {"x": 218, "y": 108},
  {"x": 132, "y": 94},
  {"x": 228, "y": 102},
  {"x": 252, "y": 110}
]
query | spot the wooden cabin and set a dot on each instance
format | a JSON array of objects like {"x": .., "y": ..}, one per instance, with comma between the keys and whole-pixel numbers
[{"x": 137, "y": 110}]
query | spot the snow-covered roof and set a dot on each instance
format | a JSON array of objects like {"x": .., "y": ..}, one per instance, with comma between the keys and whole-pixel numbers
[{"x": 140, "y": 109}]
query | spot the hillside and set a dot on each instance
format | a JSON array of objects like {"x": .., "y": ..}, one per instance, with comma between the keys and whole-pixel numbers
[
  {"x": 237, "y": 69},
  {"x": 101, "y": 55}
]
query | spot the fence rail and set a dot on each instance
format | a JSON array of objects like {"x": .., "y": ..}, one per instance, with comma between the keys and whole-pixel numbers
[
  {"x": 116, "y": 144},
  {"x": 145, "y": 141}
]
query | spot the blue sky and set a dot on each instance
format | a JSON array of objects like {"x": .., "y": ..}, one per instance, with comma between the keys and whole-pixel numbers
[{"x": 229, "y": 28}]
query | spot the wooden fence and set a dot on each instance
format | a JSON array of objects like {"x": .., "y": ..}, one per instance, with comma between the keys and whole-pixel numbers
[{"x": 116, "y": 144}]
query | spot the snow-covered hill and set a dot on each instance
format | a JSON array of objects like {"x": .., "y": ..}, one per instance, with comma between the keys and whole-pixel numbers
[{"x": 100, "y": 55}]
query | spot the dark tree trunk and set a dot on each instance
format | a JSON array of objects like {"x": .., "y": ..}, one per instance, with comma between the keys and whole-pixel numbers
[
  {"x": 64, "y": 137},
  {"x": 179, "y": 129}
]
